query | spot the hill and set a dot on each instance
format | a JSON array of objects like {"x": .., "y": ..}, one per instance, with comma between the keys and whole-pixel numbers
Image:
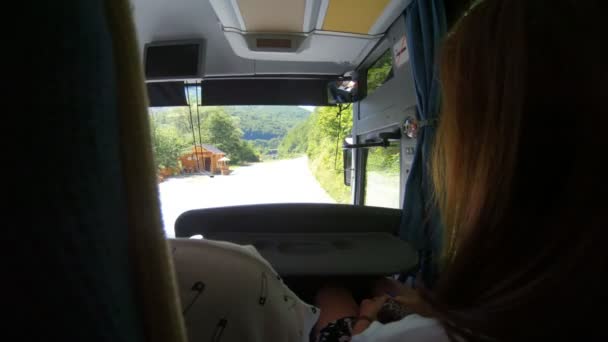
[
  {"x": 262, "y": 126},
  {"x": 267, "y": 122}
]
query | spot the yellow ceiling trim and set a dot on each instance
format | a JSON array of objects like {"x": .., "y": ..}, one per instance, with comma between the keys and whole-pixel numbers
[
  {"x": 273, "y": 15},
  {"x": 354, "y": 16}
]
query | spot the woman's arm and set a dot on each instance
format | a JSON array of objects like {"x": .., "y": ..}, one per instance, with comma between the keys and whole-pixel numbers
[
  {"x": 368, "y": 313},
  {"x": 361, "y": 325},
  {"x": 405, "y": 295}
]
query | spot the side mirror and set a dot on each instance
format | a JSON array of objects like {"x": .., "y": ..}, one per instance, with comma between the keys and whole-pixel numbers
[
  {"x": 347, "y": 158},
  {"x": 343, "y": 90}
]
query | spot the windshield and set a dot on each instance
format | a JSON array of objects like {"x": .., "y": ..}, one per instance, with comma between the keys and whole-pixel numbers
[{"x": 235, "y": 155}]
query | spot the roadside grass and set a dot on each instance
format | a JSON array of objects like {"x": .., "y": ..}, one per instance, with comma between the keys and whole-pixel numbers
[{"x": 331, "y": 180}]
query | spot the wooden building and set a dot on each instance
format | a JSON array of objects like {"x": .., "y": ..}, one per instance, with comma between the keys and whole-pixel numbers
[{"x": 203, "y": 157}]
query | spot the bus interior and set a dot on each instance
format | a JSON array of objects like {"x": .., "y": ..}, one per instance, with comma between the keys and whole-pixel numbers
[
  {"x": 304, "y": 53},
  {"x": 263, "y": 52},
  {"x": 310, "y": 53}
]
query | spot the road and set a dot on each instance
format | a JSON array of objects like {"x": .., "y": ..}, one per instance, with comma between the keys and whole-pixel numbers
[{"x": 282, "y": 181}]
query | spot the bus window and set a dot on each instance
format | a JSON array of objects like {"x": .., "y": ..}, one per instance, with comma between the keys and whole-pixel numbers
[
  {"x": 382, "y": 178},
  {"x": 380, "y": 72}
]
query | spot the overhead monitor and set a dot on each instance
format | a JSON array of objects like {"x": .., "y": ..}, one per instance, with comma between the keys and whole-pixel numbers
[{"x": 174, "y": 60}]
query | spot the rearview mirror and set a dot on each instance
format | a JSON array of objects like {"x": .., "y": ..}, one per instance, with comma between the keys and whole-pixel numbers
[{"x": 343, "y": 90}]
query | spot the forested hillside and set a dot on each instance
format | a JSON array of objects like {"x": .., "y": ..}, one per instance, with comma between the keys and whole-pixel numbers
[
  {"x": 244, "y": 132},
  {"x": 267, "y": 122},
  {"x": 265, "y": 126},
  {"x": 172, "y": 134}
]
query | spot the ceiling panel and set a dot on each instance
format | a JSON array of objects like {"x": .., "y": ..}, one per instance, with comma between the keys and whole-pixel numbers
[
  {"x": 272, "y": 15},
  {"x": 322, "y": 53},
  {"x": 354, "y": 16}
]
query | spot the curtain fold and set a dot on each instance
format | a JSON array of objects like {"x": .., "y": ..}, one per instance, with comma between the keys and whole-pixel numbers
[{"x": 426, "y": 25}]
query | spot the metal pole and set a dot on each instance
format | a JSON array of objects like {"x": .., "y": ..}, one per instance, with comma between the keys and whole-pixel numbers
[
  {"x": 198, "y": 168},
  {"x": 200, "y": 137}
]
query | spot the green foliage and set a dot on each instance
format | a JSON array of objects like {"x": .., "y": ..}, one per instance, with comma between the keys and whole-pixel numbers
[
  {"x": 317, "y": 137},
  {"x": 264, "y": 146},
  {"x": 172, "y": 133},
  {"x": 296, "y": 141},
  {"x": 333, "y": 124},
  {"x": 221, "y": 130},
  {"x": 167, "y": 145},
  {"x": 265, "y": 126},
  {"x": 385, "y": 160},
  {"x": 176, "y": 117},
  {"x": 229, "y": 127},
  {"x": 380, "y": 72},
  {"x": 267, "y": 122},
  {"x": 248, "y": 152}
]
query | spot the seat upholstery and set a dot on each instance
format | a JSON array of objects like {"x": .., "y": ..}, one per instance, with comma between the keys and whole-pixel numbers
[{"x": 230, "y": 292}]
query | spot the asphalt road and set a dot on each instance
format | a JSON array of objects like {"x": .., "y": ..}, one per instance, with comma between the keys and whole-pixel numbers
[{"x": 282, "y": 181}]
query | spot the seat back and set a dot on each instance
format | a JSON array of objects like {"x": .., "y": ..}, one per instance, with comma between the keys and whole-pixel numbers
[
  {"x": 229, "y": 292},
  {"x": 292, "y": 217}
]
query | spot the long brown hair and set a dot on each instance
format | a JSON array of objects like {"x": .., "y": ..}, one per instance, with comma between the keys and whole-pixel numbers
[{"x": 520, "y": 168}]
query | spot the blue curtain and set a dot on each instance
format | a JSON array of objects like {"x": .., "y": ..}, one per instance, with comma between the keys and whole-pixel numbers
[{"x": 426, "y": 26}]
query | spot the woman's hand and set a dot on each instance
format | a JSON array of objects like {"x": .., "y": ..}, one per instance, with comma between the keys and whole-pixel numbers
[
  {"x": 412, "y": 300},
  {"x": 368, "y": 312},
  {"x": 370, "y": 307},
  {"x": 405, "y": 295}
]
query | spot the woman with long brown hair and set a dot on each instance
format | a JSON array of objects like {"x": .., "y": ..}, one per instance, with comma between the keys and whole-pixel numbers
[{"x": 519, "y": 170}]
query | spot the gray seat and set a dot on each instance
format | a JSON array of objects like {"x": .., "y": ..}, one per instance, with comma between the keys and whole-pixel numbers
[{"x": 309, "y": 239}]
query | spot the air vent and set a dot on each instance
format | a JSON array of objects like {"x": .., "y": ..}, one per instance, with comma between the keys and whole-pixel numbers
[{"x": 273, "y": 43}]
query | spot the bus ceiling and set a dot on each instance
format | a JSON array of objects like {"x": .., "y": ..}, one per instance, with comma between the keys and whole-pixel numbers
[{"x": 263, "y": 51}]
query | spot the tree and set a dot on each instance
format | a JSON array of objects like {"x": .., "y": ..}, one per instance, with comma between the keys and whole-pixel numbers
[
  {"x": 296, "y": 141},
  {"x": 264, "y": 126},
  {"x": 247, "y": 152},
  {"x": 167, "y": 146},
  {"x": 221, "y": 130},
  {"x": 176, "y": 117},
  {"x": 267, "y": 122},
  {"x": 324, "y": 149},
  {"x": 333, "y": 123}
]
